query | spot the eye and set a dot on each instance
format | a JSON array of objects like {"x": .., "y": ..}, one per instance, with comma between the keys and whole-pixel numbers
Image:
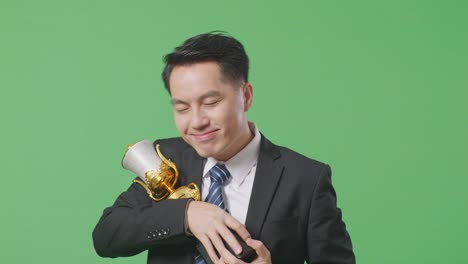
[
  {"x": 212, "y": 103},
  {"x": 180, "y": 108}
]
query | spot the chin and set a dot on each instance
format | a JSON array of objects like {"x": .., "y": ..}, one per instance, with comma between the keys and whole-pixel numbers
[
  {"x": 203, "y": 152},
  {"x": 206, "y": 153}
]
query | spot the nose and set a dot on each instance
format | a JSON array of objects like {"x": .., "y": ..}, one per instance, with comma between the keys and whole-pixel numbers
[{"x": 199, "y": 120}]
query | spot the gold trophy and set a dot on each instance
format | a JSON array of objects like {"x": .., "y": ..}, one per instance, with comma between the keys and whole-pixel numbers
[{"x": 157, "y": 174}]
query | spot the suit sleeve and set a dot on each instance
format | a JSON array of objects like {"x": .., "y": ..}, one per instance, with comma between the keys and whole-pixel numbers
[
  {"x": 136, "y": 223},
  {"x": 327, "y": 238}
]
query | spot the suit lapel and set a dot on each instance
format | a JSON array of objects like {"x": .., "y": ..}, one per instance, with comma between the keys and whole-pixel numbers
[{"x": 267, "y": 176}]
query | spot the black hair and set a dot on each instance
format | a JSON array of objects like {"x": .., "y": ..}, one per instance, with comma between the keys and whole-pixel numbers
[{"x": 214, "y": 46}]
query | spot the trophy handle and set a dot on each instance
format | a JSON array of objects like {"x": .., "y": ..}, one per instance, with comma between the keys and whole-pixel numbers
[
  {"x": 150, "y": 193},
  {"x": 195, "y": 191},
  {"x": 169, "y": 163}
]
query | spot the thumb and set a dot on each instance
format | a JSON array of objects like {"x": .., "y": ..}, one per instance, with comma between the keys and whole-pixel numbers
[{"x": 258, "y": 246}]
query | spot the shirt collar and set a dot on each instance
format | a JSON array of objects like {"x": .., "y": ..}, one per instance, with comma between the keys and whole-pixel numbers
[{"x": 240, "y": 165}]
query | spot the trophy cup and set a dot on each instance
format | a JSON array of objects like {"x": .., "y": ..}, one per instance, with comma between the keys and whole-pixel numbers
[{"x": 157, "y": 174}]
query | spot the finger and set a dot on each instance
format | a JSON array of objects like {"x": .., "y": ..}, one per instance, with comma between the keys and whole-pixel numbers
[
  {"x": 206, "y": 242},
  {"x": 235, "y": 225},
  {"x": 259, "y": 247},
  {"x": 230, "y": 239},
  {"x": 231, "y": 260},
  {"x": 219, "y": 245},
  {"x": 222, "y": 261}
]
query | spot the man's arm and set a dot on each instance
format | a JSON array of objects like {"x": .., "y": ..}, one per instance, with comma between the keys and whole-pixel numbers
[
  {"x": 327, "y": 238},
  {"x": 135, "y": 223}
]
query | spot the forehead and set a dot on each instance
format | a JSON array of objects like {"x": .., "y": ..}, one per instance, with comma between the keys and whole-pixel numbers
[{"x": 194, "y": 80}]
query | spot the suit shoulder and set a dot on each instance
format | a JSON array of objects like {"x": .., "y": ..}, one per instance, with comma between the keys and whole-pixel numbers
[
  {"x": 294, "y": 157},
  {"x": 174, "y": 141},
  {"x": 171, "y": 145}
]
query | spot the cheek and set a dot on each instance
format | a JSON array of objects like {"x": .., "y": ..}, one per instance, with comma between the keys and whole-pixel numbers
[
  {"x": 238, "y": 113},
  {"x": 180, "y": 123},
  {"x": 222, "y": 115},
  {"x": 231, "y": 117}
]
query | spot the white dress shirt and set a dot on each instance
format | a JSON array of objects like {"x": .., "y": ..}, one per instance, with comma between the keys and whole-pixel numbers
[{"x": 237, "y": 189}]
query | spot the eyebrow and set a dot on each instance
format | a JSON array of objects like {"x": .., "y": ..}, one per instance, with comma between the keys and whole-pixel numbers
[{"x": 175, "y": 101}]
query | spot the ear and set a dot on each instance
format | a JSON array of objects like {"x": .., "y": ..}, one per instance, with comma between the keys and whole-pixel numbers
[{"x": 247, "y": 90}]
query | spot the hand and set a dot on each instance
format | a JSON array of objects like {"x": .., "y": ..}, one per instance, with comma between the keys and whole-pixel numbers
[
  {"x": 210, "y": 224},
  {"x": 263, "y": 255}
]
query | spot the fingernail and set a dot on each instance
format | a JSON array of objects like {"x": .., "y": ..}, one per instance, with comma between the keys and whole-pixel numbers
[{"x": 238, "y": 250}]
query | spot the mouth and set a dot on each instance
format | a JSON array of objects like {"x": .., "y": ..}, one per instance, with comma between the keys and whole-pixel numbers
[{"x": 205, "y": 136}]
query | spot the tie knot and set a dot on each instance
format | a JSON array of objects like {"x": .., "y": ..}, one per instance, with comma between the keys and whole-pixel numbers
[{"x": 219, "y": 173}]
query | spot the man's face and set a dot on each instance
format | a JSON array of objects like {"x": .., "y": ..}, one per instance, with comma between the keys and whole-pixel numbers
[{"x": 209, "y": 112}]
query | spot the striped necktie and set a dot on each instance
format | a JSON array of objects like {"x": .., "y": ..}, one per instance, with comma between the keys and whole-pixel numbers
[{"x": 219, "y": 174}]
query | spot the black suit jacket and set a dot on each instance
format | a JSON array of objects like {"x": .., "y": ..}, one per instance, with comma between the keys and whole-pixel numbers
[{"x": 292, "y": 210}]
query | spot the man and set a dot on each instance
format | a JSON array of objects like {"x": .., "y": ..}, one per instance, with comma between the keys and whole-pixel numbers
[{"x": 281, "y": 203}]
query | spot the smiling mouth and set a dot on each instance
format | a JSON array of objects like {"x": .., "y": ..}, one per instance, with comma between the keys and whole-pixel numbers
[{"x": 205, "y": 136}]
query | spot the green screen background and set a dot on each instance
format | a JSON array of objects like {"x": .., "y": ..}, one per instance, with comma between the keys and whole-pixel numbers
[{"x": 377, "y": 89}]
